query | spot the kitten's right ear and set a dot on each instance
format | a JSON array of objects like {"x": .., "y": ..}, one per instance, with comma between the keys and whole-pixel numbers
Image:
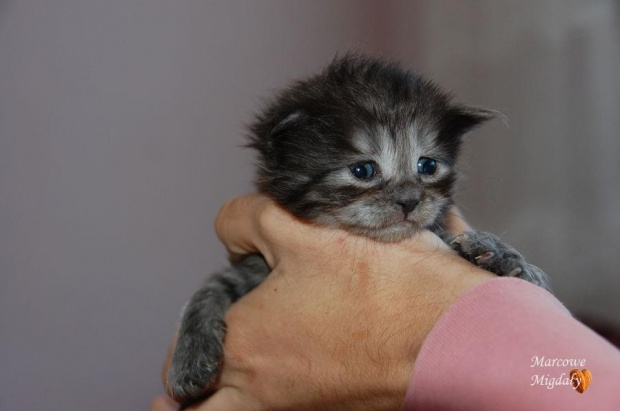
[
  {"x": 286, "y": 121},
  {"x": 462, "y": 119},
  {"x": 270, "y": 128}
]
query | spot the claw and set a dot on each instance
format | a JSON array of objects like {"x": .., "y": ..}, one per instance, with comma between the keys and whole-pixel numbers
[
  {"x": 458, "y": 238},
  {"x": 484, "y": 257},
  {"x": 515, "y": 272}
]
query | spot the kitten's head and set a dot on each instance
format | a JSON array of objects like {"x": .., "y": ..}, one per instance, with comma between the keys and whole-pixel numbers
[{"x": 365, "y": 145}]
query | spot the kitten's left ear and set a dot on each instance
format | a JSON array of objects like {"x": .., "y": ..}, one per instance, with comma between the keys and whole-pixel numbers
[{"x": 462, "y": 119}]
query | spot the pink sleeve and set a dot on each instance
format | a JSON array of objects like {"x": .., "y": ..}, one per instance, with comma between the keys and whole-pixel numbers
[{"x": 509, "y": 345}]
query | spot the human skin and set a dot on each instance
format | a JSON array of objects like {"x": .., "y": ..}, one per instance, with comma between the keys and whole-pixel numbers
[{"x": 339, "y": 321}]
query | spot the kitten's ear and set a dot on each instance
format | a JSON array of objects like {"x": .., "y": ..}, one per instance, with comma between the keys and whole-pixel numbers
[
  {"x": 268, "y": 127},
  {"x": 462, "y": 119},
  {"x": 286, "y": 121}
]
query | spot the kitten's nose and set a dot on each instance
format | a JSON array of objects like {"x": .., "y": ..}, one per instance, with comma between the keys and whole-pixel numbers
[{"x": 408, "y": 204}]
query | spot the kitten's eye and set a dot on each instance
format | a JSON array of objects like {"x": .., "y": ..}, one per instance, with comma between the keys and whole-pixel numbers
[
  {"x": 427, "y": 166},
  {"x": 363, "y": 171}
]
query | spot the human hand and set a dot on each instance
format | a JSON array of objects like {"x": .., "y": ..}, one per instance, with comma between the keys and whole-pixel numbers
[{"x": 339, "y": 321}]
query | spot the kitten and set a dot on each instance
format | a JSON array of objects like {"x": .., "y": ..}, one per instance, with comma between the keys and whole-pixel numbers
[{"x": 366, "y": 146}]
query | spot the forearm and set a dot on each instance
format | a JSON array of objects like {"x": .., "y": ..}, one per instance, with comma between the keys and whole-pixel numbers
[{"x": 485, "y": 353}]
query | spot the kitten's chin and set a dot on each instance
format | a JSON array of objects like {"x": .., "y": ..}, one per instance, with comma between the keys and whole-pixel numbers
[
  {"x": 387, "y": 233},
  {"x": 392, "y": 233}
]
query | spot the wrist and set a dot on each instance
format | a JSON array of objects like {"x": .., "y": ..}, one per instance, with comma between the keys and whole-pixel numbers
[
  {"x": 446, "y": 278},
  {"x": 405, "y": 308}
]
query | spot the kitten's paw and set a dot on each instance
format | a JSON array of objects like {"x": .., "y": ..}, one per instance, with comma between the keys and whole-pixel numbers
[
  {"x": 489, "y": 252},
  {"x": 196, "y": 363}
]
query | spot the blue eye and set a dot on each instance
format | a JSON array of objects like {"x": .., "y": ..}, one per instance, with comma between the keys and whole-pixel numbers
[
  {"x": 363, "y": 171},
  {"x": 427, "y": 166}
]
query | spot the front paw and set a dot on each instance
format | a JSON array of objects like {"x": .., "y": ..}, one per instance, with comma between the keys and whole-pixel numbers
[
  {"x": 489, "y": 252},
  {"x": 196, "y": 363}
]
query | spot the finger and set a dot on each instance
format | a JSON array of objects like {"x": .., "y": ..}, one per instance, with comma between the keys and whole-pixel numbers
[
  {"x": 455, "y": 222},
  {"x": 163, "y": 403},
  {"x": 226, "y": 398},
  {"x": 241, "y": 224}
]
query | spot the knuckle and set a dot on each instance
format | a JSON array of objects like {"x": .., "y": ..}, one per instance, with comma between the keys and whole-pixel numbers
[
  {"x": 223, "y": 215},
  {"x": 270, "y": 221}
]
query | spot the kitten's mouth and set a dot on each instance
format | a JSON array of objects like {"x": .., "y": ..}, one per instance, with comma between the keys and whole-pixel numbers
[{"x": 393, "y": 224}]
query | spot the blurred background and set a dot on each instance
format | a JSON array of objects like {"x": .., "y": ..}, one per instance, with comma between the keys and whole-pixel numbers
[{"x": 120, "y": 131}]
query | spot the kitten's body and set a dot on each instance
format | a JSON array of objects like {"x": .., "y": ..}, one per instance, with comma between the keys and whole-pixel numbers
[{"x": 365, "y": 146}]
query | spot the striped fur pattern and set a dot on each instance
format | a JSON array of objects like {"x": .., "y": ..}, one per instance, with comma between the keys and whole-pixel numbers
[{"x": 359, "y": 110}]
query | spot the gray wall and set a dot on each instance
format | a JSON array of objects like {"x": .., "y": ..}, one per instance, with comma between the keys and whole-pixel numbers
[
  {"x": 120, "y": 126},
  {"x": 549, "y": 183}
]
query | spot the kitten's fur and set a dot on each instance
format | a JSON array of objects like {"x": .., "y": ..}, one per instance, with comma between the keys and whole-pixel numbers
[{"x": 358, "y": 110}]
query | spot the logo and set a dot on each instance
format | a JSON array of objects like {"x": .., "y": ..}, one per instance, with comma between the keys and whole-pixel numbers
[{"x": 580, "y": 379}]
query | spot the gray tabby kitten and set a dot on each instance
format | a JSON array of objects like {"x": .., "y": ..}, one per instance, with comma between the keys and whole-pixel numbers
[{"x": 366, "y": 146}]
